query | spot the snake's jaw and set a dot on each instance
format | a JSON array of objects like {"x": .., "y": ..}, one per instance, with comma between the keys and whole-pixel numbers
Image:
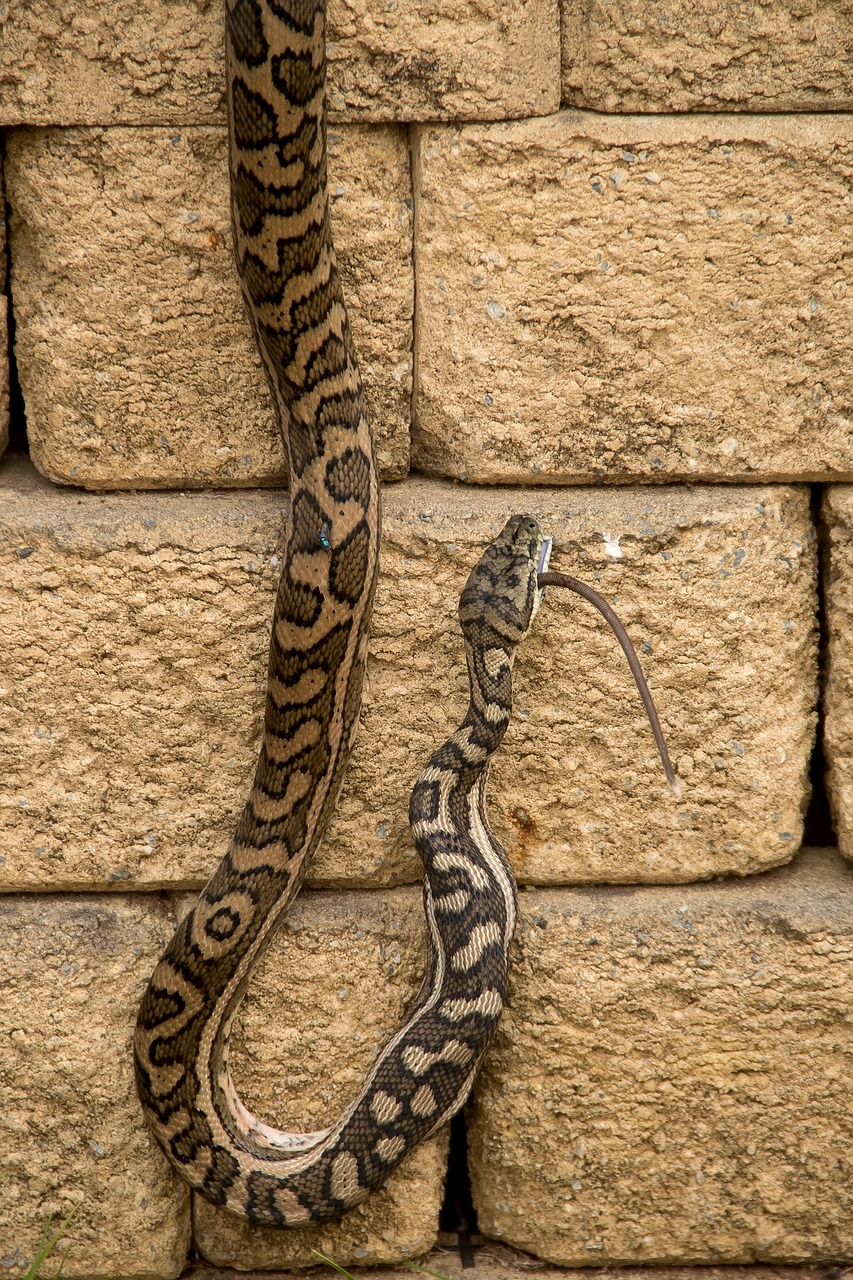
[{"x": 545, "y": 549}]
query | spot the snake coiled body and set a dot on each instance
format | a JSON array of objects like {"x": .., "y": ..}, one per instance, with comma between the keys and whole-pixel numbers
[{"x": 276, "y": 84}]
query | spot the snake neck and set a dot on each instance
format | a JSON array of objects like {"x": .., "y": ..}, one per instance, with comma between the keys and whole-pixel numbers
[
  {"x": 478, "y": 737},
  {"x": 461, "y": 855}
]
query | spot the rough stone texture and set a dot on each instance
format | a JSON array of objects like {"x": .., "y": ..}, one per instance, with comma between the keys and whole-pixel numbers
[
  {"x": 670, "y": 1081},
  {"x": 639, "y": 297},
  {"x": 340, "y": 975},
  {"x": 789, "y": 55},
  {"x": 71, "y": 1131},
  {"x": 161, "y": 63},
  {"x": 136, "y": 358},
  {"x": 838, "y": 694},
  {"x": 422, "y": 60},
  {"x": 94, "y": 62},
  {"x": 136, "y": 632}
]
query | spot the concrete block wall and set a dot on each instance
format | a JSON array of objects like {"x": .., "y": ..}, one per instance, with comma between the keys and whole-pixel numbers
[{"x": 598, "y": 262}]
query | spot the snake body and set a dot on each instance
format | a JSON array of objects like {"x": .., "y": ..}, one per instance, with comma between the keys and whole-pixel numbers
[{"x": 286, "y": 263}]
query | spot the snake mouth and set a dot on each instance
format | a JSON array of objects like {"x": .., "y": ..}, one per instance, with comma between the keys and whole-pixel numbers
[{"x": 541, "y": 567}]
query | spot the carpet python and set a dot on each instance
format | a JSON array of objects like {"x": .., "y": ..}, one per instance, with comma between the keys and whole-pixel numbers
[
  {"x": 276, "y": 112},
  {"x": 275, "y": 67}
]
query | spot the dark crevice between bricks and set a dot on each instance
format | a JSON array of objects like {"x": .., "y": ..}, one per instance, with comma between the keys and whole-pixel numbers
[
  {"x": 819, "y": 828},
  {"x": 458, "y": 1218},
  {"x": 18, "y": 442},
  {"x": 411, "y": 143}
]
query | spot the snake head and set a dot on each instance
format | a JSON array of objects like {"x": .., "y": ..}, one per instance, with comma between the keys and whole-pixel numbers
[{"x": 502, "y": 595}]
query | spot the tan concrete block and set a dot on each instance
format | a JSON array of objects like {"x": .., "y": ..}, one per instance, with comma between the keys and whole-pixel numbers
[
  {"x": 136, "y": 654},
  {"x": 129, "y": 618},
  {"x": 337, "y": 982},
  {"x": 717, "y": 56},
  {"x": 71, "y": 1129},
  {"x": 837, "y": 513},
  {"x": 605, "y": 299},
  {"x": 92, "y": 62},
  {"x": 670, "y": 1081},
  {"x": 136, "y": 359},
  {"x": 495, "y": 60}
]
